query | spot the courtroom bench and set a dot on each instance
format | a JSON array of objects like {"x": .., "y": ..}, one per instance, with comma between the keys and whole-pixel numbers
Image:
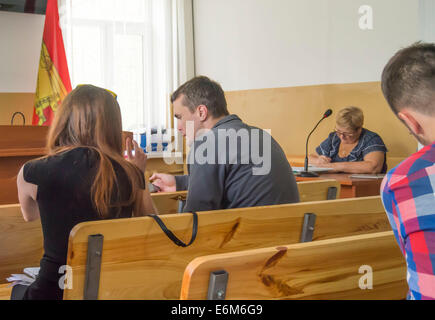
[
  {"x": 134, "y": 259},
  {"x": 23, "y": 241},
  {"x": 328, "y": 189},
  {"x": 357, "y": 267}
]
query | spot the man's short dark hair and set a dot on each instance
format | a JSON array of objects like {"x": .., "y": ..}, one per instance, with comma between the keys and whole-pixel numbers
[
  {"x": 408, "y": 80},
  {"x": 202, "y": 90}
]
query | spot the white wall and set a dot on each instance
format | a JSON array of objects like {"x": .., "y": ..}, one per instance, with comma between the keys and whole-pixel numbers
[
  {"x": 21, "y": 38},
  {"x": 252, "y": 44},
  {"x": 427, "y": 20}
]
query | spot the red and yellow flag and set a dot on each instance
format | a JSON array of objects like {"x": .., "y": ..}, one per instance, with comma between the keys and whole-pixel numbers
[{"x": 53, "y": 76}]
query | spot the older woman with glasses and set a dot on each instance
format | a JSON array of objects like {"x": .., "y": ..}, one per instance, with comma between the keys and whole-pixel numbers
[{"x": 351, "y": 148}]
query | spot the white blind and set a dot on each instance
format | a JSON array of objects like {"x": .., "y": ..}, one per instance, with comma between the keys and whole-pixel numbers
[{"x": 131, "y": 47}]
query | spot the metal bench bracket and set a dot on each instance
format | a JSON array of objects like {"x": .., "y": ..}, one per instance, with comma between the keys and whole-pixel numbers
[
  {"x": 308, "y": 227},
  {"x": 217, "y": 286},
  {"x": 93, "y": 266},
  {"x": 332, "y": 193}
]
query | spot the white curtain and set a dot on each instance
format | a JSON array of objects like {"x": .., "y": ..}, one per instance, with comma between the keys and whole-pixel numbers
[{"x": 140, "y": 49}]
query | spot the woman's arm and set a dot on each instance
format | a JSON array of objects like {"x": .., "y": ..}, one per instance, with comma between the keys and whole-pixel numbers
[
  {"x": 324, "y": 148},
  {"x": 140, "y": 160},
  {"x": 372, "y": 163},
  {"x": 27, "y": 197},
  {"x": 316, "y": 159}
]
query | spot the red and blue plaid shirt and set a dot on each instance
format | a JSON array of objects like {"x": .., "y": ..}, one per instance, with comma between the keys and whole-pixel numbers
[{"x": 409, "y": 199}]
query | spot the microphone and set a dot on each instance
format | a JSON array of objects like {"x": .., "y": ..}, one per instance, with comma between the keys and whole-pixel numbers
[
  {"x": 306, "y": 173},
  {"x": 326, "y": 114}
]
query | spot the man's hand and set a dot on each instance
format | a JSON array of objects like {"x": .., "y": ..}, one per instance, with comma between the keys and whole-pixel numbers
[
  {"x": 165, "y": 182},
  {"x": 139, "y": 158}
]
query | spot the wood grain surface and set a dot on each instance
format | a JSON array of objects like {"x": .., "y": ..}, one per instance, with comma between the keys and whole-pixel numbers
[
  {"x": 21, "y": 243},
  {"x": 328, "y": 269},
  {"x": 140, "y": 262}
]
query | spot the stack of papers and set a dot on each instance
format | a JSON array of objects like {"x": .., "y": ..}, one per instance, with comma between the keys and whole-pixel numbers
[
  {"x": 25, "y": 279},
  {"x": 367, "y": 176},
  {"x": 311, "y": 169}
]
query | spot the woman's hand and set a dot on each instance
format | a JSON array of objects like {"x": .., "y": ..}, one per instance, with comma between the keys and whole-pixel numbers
[
  {"x": 318, "y": 160},
  {"x": 323, "y": 160},
  {"x": 139, "y": 158},
  {"x": 165, "y": 182}
]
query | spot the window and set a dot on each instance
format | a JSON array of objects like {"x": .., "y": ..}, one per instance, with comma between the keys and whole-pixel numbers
[{"x": 131, "y": 47}]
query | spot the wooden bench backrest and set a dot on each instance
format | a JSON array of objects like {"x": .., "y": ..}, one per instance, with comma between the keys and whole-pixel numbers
[
  {"x": 328, "y": 269},
  {"x": 140, "y": 262},
  {"x": 5, "y": 291},
  {"x": 316, "y": 190},
  {"x": 21, "y": 243},
  {"x": 168, "y": 202}
]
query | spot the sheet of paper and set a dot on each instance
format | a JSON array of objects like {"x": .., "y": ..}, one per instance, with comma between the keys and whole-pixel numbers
[
  {"x": 21, "y": 278},
  {"x": 32, "y": 272},
  {"x": 311, "y": 169},
  {"x": 367, "y": 176}
]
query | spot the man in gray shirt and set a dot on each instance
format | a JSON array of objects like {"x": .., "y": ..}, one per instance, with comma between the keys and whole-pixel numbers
[{"x": 230, "y": 164}]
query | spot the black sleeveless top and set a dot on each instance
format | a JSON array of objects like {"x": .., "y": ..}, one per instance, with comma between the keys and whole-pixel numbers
[{"x": 64, "y": 200}]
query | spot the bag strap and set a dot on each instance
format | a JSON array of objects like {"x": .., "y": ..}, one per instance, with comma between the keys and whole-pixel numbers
[{"x": 172, "y": 236}]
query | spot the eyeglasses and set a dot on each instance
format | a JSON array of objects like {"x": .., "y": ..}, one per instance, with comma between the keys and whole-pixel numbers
[
  {"x": 109, "y": 91},
  {"x": 345, "y": 134}
]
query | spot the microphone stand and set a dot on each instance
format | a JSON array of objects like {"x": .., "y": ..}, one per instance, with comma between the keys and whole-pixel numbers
[{"x": 307, "y": 173}]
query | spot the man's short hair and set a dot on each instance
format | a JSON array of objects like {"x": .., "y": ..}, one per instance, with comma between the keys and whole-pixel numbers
[
  {"x": 408, "y": 80},
  {"x": 202, "y": 90}
]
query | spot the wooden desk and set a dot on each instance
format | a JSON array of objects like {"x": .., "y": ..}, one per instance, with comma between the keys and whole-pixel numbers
[
  {"x": 18, "y": 144},
  {"x": 351, "y": 188}
]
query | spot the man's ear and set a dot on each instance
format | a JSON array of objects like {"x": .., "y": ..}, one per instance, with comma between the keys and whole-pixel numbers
[
  {"x": 202, "y": 112},
  {"x": 411, "y": 122}
]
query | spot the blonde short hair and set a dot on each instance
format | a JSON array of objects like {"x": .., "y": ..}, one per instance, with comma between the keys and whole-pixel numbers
[{"x": 351, "y": 118}]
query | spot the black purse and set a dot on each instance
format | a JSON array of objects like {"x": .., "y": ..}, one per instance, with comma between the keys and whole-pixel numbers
[{"x": 172, "y": 236}]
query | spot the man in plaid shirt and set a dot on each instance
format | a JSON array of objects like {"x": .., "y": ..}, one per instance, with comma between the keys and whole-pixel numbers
[{"x": 408, "y": 84}]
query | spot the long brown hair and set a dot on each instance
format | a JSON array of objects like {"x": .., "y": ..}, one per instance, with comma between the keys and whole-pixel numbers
[{"x": 90, "y": 117}]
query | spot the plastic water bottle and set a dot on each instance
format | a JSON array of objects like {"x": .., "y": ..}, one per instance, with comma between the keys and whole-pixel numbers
[
  {"x": 143, "y": 141},
  {"x": 154, "y": 139},
  {"x": 166, "y": 138}
]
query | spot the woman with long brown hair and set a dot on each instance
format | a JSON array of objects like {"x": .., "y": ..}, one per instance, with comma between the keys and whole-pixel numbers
[{"x": 84, "y": 177}]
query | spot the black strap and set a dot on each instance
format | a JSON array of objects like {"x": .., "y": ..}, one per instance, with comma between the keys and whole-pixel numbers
[{"x": 172, "y": 236}]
